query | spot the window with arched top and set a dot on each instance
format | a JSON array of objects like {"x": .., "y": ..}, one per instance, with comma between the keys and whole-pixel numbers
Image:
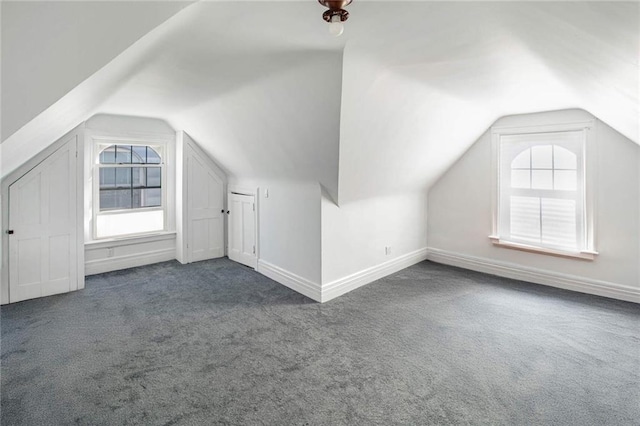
[
  {"x": 550, "y": 167},
  {"x": 130, "y": 177},
  {"x": 129, "y": 193},
  {"x": 541, "y": 191}
]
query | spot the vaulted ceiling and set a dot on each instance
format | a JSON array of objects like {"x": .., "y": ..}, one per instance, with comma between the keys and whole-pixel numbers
[{"x": 387, "y": 107}]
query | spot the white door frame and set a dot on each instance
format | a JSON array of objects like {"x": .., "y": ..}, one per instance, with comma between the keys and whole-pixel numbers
[{"x": 76, "y": 134}]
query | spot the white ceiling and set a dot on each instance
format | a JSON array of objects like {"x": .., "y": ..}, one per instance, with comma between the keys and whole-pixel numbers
[
  {"x": 264, "y": 89},
  {"x": 49, "y": 47},
  {"x": 420, "y": 89}
]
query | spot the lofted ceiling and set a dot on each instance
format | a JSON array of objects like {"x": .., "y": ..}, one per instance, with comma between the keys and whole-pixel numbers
[
  {"x": 49, "y": 47},
  {"x": 387, "y": 107},
  {"x": 419, "y": 90}
]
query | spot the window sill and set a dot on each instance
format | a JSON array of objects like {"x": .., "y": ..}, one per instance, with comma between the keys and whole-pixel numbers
[
  {"x": 583, "y": 255},
  {"x": 130, "y": 239}
]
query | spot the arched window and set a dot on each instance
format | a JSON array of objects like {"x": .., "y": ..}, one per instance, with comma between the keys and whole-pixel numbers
[
  {"x": 129, "y": 193},
  {"x": 542, "y": 191},
  {"x": 550, "y": 167},
  {"x": 130, "y": 177}
]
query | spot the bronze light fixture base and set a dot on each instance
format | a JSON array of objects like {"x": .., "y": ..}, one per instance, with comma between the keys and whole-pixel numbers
[{"x": 335, "y": 9}]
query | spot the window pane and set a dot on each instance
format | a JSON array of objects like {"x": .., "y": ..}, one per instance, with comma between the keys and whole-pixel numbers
[
  {"x": 151, "y": 197},
  {"x": 129, "y": 154},
  {"x": 115, "y": 199},
  {"x": 123, "y": 177},
  {"x": 541, "y": 157},
  {"x": 147, "y": 197},
  {"x": 139, "y": 155},
  {"x": 139, "y": 177},
  {"x": 123, "y": 154},
  {"x": 107, "y": 177},
  {"x": 522, "y": 161},
  {"x": 542, "y": 179},
  {"x": 525, "y": 218},
  {"x": 136, "y": 222},
  {"x": 152, "y": 156},
  {"x": 153, "y": 176},
  {"x": 559, "y": 222},
  {"x": 565, "y": 180},
  {"x": 520, "y": 179},
  {"x": 108, "y": 155},
  {"x": 564, "y": 159}
]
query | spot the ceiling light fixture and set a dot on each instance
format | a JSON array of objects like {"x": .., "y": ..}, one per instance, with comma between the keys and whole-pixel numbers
[{"x": 336, "y": 15}]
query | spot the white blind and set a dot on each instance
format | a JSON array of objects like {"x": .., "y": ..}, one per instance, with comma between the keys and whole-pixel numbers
[{"x": 542, "y": 189}]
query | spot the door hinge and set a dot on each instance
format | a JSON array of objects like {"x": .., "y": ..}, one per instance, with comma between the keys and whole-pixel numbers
[
  {"x": 254, "y": 207},
  {"x": 254, "y": 249}
]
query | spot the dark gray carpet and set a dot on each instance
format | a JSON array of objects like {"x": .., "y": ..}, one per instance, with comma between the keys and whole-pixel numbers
[{"x": 217, "y": 343}]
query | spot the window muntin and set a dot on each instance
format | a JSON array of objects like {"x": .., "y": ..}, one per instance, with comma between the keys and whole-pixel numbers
[
  {"x": 545, "y": 167},
  {"x": 125, "y": 186},
  {"x": 542, "y": 191}
]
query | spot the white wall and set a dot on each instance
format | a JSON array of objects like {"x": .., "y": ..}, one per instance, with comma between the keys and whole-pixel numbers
[
  {"x": 127, "y": 253},
  {"x": 308, "y": 243},
  {"x": 49, "y": 47},
  {"x": 355, "y": 234},
  {"x": 289, "y": 228},
  {"x": 129, "y": 124},
  {"x": 460, "y": 217}
]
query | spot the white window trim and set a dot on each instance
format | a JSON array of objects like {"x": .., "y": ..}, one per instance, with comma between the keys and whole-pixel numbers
[
  {"x": 589, "y": 127},
  {"x": 159, "y": 142}
]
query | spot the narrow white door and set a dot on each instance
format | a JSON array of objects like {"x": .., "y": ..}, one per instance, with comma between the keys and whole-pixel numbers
[
  {"x": 205, "y": 211},
  {"x": 42, "y": 226},
  {"x": 242, "y": 229}
]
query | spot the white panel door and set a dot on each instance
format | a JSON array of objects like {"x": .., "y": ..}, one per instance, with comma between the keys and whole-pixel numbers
[
  {"x": 205, "y": 210},
  {"x": 242, "y": 229},
  {"x": 42, "y": 222}
]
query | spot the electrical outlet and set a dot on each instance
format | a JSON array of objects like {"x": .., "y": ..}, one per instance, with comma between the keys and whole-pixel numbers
[
  {"x": 387, "y": 250},
  {"x": 110, "y": 252}
]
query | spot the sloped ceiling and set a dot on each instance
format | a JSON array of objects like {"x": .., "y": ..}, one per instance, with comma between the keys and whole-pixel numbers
[
  {"x": 265, "y": 90},
  {"x": 417, "y": 98},
  {"x": 50, "y": 47},
  {"x": 263, "y": 103}
]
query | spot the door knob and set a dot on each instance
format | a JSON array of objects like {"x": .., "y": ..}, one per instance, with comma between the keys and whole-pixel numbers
[{"x": 10, "y": 231}]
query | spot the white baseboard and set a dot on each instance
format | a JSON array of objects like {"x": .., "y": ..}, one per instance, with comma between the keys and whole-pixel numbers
[
  {"x": 351, "y": 282},
  {"x": 115, "y": 263},
  {"x": 289, "y": 279},
  {"x": 538, "y": 276}
]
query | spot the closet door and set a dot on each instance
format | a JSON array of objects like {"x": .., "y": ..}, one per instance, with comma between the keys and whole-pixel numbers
[
  {"x": 42, "y": 228},
  {"x": 205, "y": 210},
  {"x": 242, "y": 229}
]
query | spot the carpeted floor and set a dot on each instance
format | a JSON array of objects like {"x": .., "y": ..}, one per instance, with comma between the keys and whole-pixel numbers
[{"x": 216, "y": 343}]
